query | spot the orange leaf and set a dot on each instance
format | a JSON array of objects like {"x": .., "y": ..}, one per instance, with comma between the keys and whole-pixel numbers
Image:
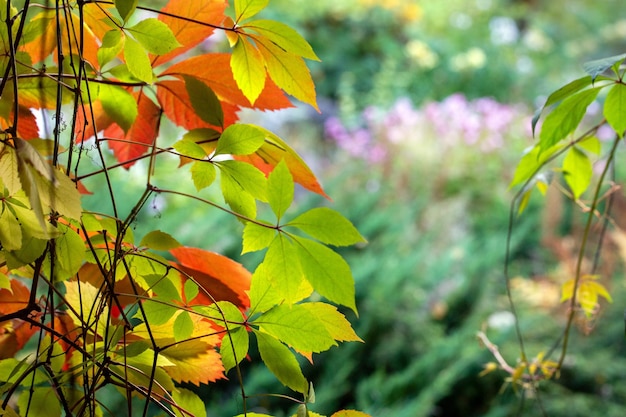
[
  {"x": 174, "y": 100},
  {"x": 13, "y": 336},
  {"x": 140, "y": 136},
  {"x": 90, "y": 119},
  {"x": 98, "y": 17},
  {"x": 220, "y": 79},
  {"x": 194, "y": 361},
  {"x": 209, "y": 12},
  {"x": 14, "y": 300},
  {"x": 220, "y": 277},
  {"x": 27, "y": 127},
  {"x": 272, "y": 152}
]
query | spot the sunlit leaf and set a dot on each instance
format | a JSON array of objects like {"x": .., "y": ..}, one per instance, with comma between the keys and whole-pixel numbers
[
  {"x": 578, "y": 171},
  {"x": 240, "y": 139},
  {"x": 350, "y": 413},
  {"x": 203, "y": 174},
  {"x": 245, "y": 9},
  {"x": 41, "y": 402},
  {"x": 562, "y": 93},
  {"x": 283, "y": 36},
  {"x": 280, "y": 189},
  {"x": 183, "y": 326},
  {"x": 248, "y": 68},
  {"x": 126, "y": 8},
  {"x": 137, "y": 60},
  {"x": 154, "y": 36},
  {"x": 234, "y": 348},
  {"x": 328, "y": 226},
  {"x": 281, "y": 362},
  {"x": 282, "y": 268},
  {"x": 194, "y": 361},
  {"x": 257, "y": 237},
  {"x": 159, "y": 240},
  {"x": 119, "y": 104},
  {"x": 189, "y": 402},
  {"x": 566, "y": 117},
  {"x": 112, "y": 45},
  {"x": 615, "y": 108},
  {"x": 335, "y": 323}
]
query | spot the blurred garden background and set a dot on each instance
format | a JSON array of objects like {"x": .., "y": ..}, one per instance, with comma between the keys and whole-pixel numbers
[{"x": 426, "y": 109}]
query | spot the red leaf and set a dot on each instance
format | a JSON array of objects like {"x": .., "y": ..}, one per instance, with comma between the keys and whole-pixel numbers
[
  {"x": 140, "y": 136},
  {"x": 209, "y": 12},
  {"x": 27, "y": 125},
  {"x": 174, "y": 100},
  {"x": 214, "y": 70},
  {"x": 221, "y": 277}
]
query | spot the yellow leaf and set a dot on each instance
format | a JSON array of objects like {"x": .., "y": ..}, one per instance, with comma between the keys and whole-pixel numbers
[
  {"x": 88, "y": 309},
  {"x": 248, "y": 69},
  {"x": 567, "y": 290}
]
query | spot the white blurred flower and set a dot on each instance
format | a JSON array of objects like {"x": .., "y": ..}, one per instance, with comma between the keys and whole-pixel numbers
[
  {"x": 501, "y": 320},
  {"x": 504, "y": 31},
  {"x": 536, "y": 40},
  {"x": 474, "y": 58}
]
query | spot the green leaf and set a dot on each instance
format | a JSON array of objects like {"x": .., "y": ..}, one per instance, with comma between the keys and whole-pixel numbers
[
  {"x": 578, "y": 171},
  {"x": 335, "y": 323},
  {"x": 531, "y": 163},
  {"x": 245, "y": 9},
  {"x": 288, "y": 71},
  {"x": 69, "y": 254},
  {"x": 112, "y": 45},
  {"x": 189, "y": 148},
  {"x": 263, "y": 295},
  {"x": 191, "y": 290},
  {"x": 284, "y": 37},
  {"x": 119, "y": 104},
  {"x": 9, "y": 169},
  {"x": 283, "y": 269},
  {"x": 204, "y": 101},
  {"x": 565, "y": 118},
  {"x": 239, "y": 200},
  {"x": 615, "y": 108},
  {"x": 250, "y": 178},
  {"x": 257, "y": 237},
  {"x": 327, "y": 271},
  {"x": 159, "y": 240},
  {"x": 10, "y": 230},
  {"x": 591, "y": 144},
  {"x": 234, "y": 348},
  {"x": 281, "y": 362},
  {"x": 248, "y": 69},
  {"x": 157, "y": 312},
  {"x": 327, "y": 226},
  {"x": 189, "y": 402},
  {"x": 597, "y": 67},
  {"x": 240, "y": 139},
  {"x": 154, "y": 36},
  {"x": 40, "y": 402},
  {"x": 167, "y": 287},
  {"x": 9, "y": 412},
  {"x": 203, "y": 174},
  {"x": 280, "y": 189},
  {"x": 562, "y": 93},
  {"x": 137, "y": 61},
  {"x": 297, "y": 327},
  {"x": 126, "y": 8},
  {"x": 183, "y": 326}
]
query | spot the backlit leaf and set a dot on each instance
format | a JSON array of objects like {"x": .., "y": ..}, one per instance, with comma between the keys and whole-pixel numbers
[
  {"x": 578, "y": 171},
  {"x": 154, "y": 35},
  {"x": 562, "y": 93},
  {"x": 532, "y": 162},
  {"x": 195, "y": 362},
  {"x": 8, "y": 169},
  {"x": 235, "y": 350},
  {"x": 189, "y": 402},
  {"x": 246, "y": 176},
  {"x": 119, "y": 104},
  {"x": 257, "y": 237},
  {"x": 40, "y": 402},
  {"x": 219, "y": 276},
  {"x": 183, "y": 326},
  {"x": 88, "y": 310},
  {"x": 15, "y": 298},
  {"x": 273, "y": 151},
  {"x": 10, "y": 230},
  {"x": 137, "y": 60},
  {"x": 189, "y": 148},
  {"x": 327, "y": 271},
  {"x": 327, "y": 226},
  {"x": 288, "y": 71},
  {"x": 204, "y": 101},
  {"x": 615, "y": 108},
  {"x": 245, "y": 9},
  {"x": 249, "y": 69},
  {"x": 350, "y": 413},
  {"x": 203, "y": 174},
  {"x": 159, "y": 240},
  {"x": 297, "y": 327},
  {"x": 284, "y": 37},
  {"x": 280, "y": 189},
  {"x": 282, "y": 268},
  {"x": 112, "y": 45},
  {"x": 209, "y": 12},
  {"x": 240, "y": 139},
  {"x": 281, "y": 362},
  {"x": 565, "y": 118},
  {"x": 69, "y": 253},
  {"x": 126, "y": 8},
  {"x": 335, "y": 323}
]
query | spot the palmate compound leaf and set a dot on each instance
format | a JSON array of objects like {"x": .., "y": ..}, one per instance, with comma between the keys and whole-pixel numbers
[
  {"x": 587, "y": 293},
  {"x": 204, "y": 101},
  {"x": 126, "y": 8},
  {"x": 154, "y": 36},
  {"x": 187, "y": 403},
  {"x": 257, "y": 237},
  {"x": 562, "y": 93},
  {"x": 281, "y": 361},
  {"x": 240, "y": 139},
  {"x": 245, "y": 9},
  {"x": 281, "y": 268},
  {"x": 327, "y": 226},
  {"x": 234, "y": 347},
  {"x": 283, "y": 36}
]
